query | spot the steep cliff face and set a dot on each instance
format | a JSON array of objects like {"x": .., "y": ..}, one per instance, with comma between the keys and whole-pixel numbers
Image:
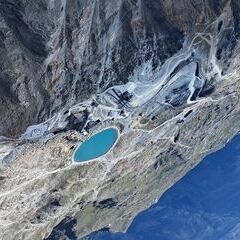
[
  {"x": 70, "y": 63},
  {"x": 57, "y": 53}
]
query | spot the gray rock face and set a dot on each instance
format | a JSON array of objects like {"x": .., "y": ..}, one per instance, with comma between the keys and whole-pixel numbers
[
  {"x": 165, "y": 73},
  {"x": 56, "y": 53}
]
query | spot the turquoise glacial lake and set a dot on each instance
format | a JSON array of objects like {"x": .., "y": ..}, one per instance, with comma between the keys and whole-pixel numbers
[{"x": 96, "y": 146}]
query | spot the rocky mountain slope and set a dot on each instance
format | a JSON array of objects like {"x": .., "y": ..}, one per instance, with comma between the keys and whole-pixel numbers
[{"x": 165, "y": 73}]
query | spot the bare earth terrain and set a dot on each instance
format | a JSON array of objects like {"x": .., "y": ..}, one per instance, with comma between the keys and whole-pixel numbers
[{"x": 166, "y": 74}]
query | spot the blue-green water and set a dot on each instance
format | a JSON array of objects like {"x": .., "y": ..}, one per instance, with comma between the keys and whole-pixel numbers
[
  {"x": 96, "y": 146},
  {"x": 204, "y": 205}
]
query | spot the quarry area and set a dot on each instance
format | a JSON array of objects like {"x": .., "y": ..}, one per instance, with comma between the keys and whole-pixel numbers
[{"x": 169, "y": 115}]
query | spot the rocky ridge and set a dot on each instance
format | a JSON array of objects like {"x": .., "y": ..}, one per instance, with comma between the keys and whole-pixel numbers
[{"x": 165, "y": 74}]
